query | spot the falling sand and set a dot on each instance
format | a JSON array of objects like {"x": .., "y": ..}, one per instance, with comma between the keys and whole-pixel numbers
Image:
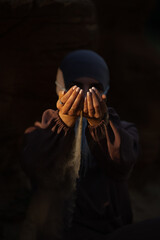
[{"x": 51, "y": 208}]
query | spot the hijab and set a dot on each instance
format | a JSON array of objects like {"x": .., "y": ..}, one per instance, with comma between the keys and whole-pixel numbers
[{"x": 85, "y": 63}]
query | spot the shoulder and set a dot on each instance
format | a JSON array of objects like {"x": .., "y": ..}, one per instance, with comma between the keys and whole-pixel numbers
[{"x": 47, "y": 117}]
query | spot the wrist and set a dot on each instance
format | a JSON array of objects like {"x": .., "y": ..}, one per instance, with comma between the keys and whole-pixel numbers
[
  {"x": 69, "y": 121},
  {"x": 94, "y": 122}
]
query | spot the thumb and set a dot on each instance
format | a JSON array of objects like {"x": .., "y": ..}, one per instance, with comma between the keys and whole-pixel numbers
[
  {"x": 104, "y": 97},
  {"x": 61, "y": 94}
]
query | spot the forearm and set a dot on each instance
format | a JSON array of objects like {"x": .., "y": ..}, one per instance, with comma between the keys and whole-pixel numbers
[
  {"x": 45, "y": 144},
  {"x": 114, "y": 144},
  {"x": 106, "y": 138}
]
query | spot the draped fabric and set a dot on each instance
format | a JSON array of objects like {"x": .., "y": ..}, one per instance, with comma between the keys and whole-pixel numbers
[
  {"x": 102, "y": 201},
  {"x": 87, "y": 159},
  {"x": 85, "y": 63}
]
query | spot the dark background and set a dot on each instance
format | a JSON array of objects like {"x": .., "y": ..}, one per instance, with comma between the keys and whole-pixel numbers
[{"x": 34, "y": 36}]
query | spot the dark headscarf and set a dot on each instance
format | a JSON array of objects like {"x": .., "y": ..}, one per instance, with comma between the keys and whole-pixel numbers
[{"x": 85, "y": 63}]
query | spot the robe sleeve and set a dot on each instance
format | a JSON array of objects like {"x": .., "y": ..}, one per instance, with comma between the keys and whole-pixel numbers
[
  {"x": 45, "y": 143},
  {"x": 129, "y": 145}
]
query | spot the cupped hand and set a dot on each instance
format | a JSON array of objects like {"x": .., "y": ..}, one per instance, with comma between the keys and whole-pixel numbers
[
  {"x": 70, "y": 105},
  {"x": 95, "y": 107}
]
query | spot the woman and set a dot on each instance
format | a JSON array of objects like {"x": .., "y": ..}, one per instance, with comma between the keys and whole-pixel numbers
[{"x": 89, "y": 187}]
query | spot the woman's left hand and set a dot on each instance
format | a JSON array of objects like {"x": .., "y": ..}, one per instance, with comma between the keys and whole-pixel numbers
[{"x": 95, "y": 107}]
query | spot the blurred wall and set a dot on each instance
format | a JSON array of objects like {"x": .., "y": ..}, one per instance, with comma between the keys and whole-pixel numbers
[
  {"x": 35, "y": 36},
  {"x": 135, "y": 67},
  {"x": 130, "y": 43}
]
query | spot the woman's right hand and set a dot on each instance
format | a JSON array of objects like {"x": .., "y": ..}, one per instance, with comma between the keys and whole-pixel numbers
[{"x": 70, "y": 104}]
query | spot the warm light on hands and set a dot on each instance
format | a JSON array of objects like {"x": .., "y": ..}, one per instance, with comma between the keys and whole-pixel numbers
[
  {"x": 95, "y": 106},
  {"x": 71, "y": 103}
]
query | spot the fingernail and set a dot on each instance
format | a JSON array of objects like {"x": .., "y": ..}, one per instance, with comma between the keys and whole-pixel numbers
[
  {"x": 93, "y": 88},
  {"x": 90, "y": 90},
  {"x": 88, "y": 94},
  {"x": 80, "y": 92},
  {"x": 74, "y": 87},
  {"x": 77, "y": 90}
]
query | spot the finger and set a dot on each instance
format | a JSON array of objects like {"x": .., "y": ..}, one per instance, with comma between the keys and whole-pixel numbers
[
  {"x": 104, "y": 97},
  {"x": 96, "y": 105},
  {"x": 102, "y": 100},
  {"x": 61, "y": 94},
  {"x": 68, "y": 94},
  {"x": 97, "y": 93},
  {"x": 80, "y": 108},
  {"x": 85, "y": 109},
  {"x": 90, "y": 105},
  {"x": 76, "y": 104},
  {"x": 59, "y": 102},
  {"x": 59, "y": 105},
  {"x": 68, "y": 104}
]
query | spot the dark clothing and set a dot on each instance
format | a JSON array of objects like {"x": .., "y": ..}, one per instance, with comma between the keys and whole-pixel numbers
[
  {"x": 102, "y": 202},
  {"x": 146, "y": 230},
  {"x": 85, "y": 63}
]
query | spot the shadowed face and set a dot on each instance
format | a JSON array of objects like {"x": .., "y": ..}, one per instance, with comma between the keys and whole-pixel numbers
[{"x": 84, "y": 83}]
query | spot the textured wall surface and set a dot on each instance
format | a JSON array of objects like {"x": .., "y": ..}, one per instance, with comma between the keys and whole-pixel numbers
[{"x": 34, "y": 37}]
